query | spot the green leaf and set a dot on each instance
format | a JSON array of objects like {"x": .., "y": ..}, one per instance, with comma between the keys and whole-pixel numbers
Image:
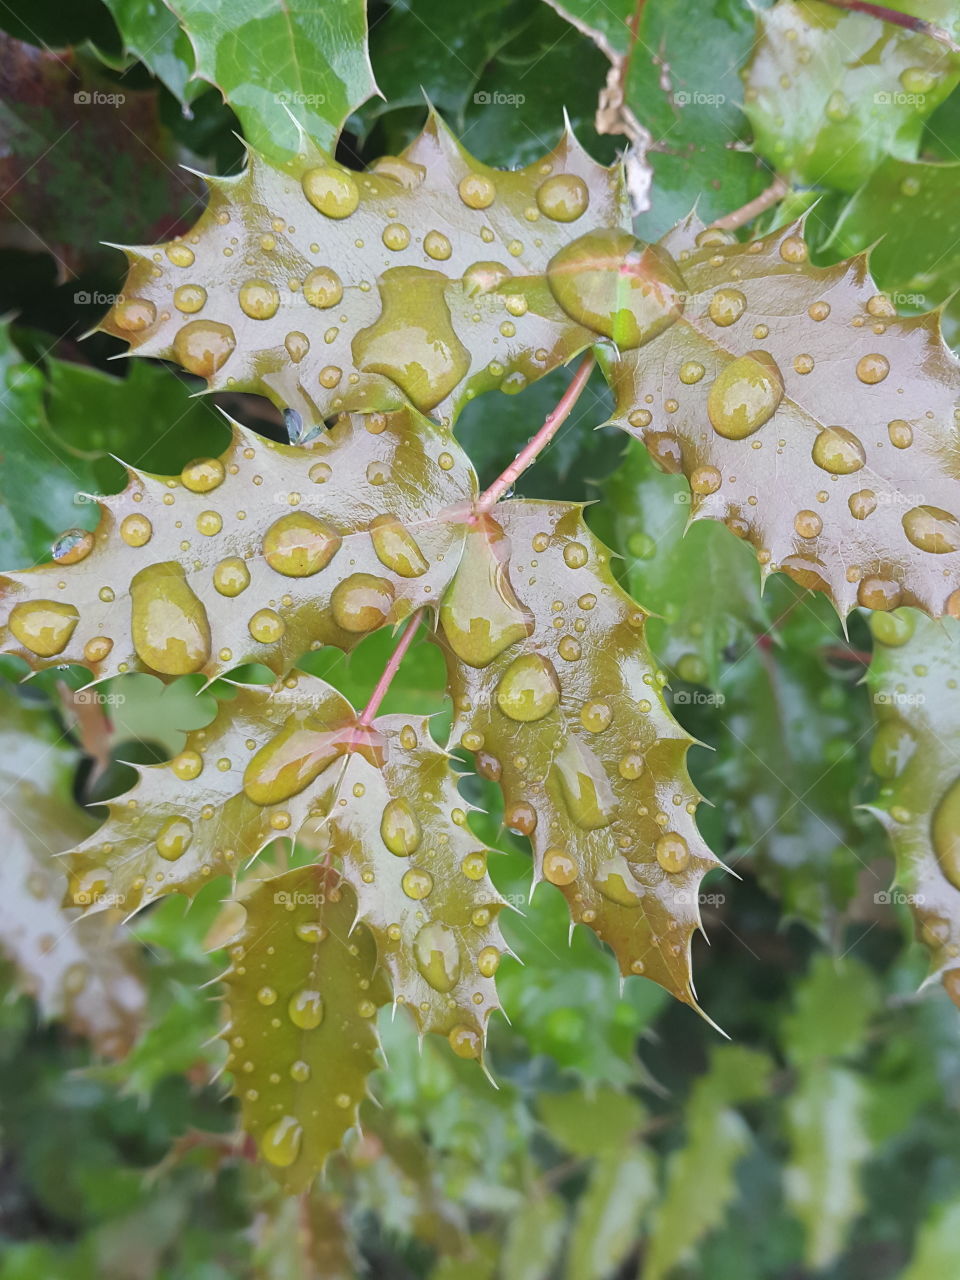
[
  {"x": 832, "y": 1009},
  {"x": 534, "y": 1238},
  {"x": 831, "y": 93},
  {"x": 701, "y": 1175},
  {"x": 674, "y": 571},
  {"x": 913, "y": 683},
  {"x": 251, "y": 557},
  {"x": 80, "y": 970},
  {"x": 588, "y": 1124},
  {"x": 302, "y": 995},
  {"x": 619, "y": 1192},
  {"x": 828, "y": 1147},
  {"x": 559, "y": 699},
  {"x": 282, "y": 67},
  {"x": 938, "y": 1245},
  {"x": 152, "y": 33}
]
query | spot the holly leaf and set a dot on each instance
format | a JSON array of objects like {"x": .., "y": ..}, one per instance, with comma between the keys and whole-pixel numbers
[
  {"x": 294, "y": 760},
  {"x": 558, "y": 697},
  {"x": 674, "y": 570},
  {"x": 831, "y": 1012},
  {"x": 285, "y": 69},
  {"x": 701, "y": 1174},
  {"x": 421, "y": 280},
  {"x": 913, "y": 683},
  {"x": 808, "y": 416},
  {"x": 302, "y": 994},
  {"x": 534, "y": 1238},
  {"x": 620, "y": 1189},
  {"x": 80, "y": 970},
  {"x": 152, "y": 34},
  {"x": 258, "y": 555},
  {"x": 830, "y": 92}
]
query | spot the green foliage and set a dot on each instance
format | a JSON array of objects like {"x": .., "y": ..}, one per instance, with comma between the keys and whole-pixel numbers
[{"x": 283, "y": 874}]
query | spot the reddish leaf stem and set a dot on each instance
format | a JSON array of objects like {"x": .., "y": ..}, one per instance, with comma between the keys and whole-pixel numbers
[
  {"x": 552, "y": 424},
  {"x": 777, "y": 189},
  {"x": 898, "y": 19},
  {"x": 391, "y": 669}
]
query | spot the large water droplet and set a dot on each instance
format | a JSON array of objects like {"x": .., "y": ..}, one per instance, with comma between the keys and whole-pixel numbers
[
  {"x": 529, "y": 689},
  {"x": 259, "y": 299},
  {"x": 932, "y": 529},
  {"x": 482, "y": 277},
  {"x": 299, "y": 545},
  {"x": 564, "y": 197},
  {"x": 559, "y": 867},
  {"x": 615, "y": 881},
  {"x": 43, "y": 626},
  {"x": 361, "y": 602},
  {"x": 203, "y": 475},
  {"x": 305, "y": 1009},
  {"x": 400, "y": 828},
  {"x": 617, "y": 286},
  {"x": 322, "y": 288},
  {"x": 174, "y": 837},
  {"x": 204, "y": 346},
  {"x": 945, "y": 833},
  {"x": 726, "y": 307},
  {"x": 280, "y": 1144},
  {"x": 480, "y": 615},
  {"x": 332, "y": 191},
  {"x": 672, "y": 851},
  {"x": 745, "y": 395},
  {"x": 437, "y": 954},
  {"x": 231, "y": 576},
  {"x": 893, "y": 744},
  {"x": 136, "y": 530},
  {"x": 585, "y": 786},
  {"x": 289, "y": 762},
  {"x": 838, "y": 451},
  {"x": 169, "y": 625},
  {"x": 396, "y": 547},
  {"x": 73, "y": 546}
]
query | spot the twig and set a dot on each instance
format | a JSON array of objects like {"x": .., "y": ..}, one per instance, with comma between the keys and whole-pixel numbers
[
  {"x": 390, "y": 670},
  {"x": 777, "y": 189},
  {"x": 898, "y": 19}
]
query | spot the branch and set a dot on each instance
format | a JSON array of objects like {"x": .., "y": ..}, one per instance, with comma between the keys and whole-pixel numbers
[
  {"x": 777, "y": 189},
  {"x": 391, "y": 669},
  {"x": 898, "y": 19}
]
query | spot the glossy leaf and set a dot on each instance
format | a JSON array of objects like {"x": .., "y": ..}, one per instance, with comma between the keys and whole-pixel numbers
[
  {"x": 302, "y": 996},
  {"x": 152, "y": 33},
  {"x": 620, "y": 1190},
  {"x": 700, "y": 1176},
  {"x": 830, "y": 93},
  {"x": 255, "y": 556},
  {"x": 292, "y": 760},
  {"x": 80, "y": 970},
  {"x": 806, "y": 415},
  {"x": 914, "y": 685},
  {"x": 557, "y": 696},
  {"x": 284, "y": 68},
  {"x": 330, "y": 291}
]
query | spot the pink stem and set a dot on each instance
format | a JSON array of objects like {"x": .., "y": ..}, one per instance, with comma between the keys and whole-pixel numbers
[
  {"x": 777, "y": 189},
  {"x": 554, "y": 421},
  {"x": 391, "y": 669},
  {"x": 906, "y": 20}
]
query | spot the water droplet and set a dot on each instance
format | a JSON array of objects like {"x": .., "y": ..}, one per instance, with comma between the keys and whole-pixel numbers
[
  {"x": 564, "y": 197},
  {"x": 873, "y": 368},
  {"x": 477, "y": 191},
  {"x": 726, "y": 307},
  {"x": 863, "y": 503},
  {"x": 575, "y": 555},
  {"x": 488, "y": 961},
  {"x": 875, "y": 592},
  {"x": 586, "y": 788},
  {"x": 838, "y": 107},
  {"x": 290, "y": 761},
  {"x": 203, "y": 475},
  {"x": 189, "y": 298},
  {"x": 297, "y": 345},
  {"x": 73, "y": 546},
  {"x": 692, "y": 668},
  {"x": 400, "y": 828},
  {"x": 204, "y": 346},
  {"x": 396, "y": 547},
  {"x": 169, "y": 625},
  {"x": 417, "y": 884},
  {"x": 615, "y": 881},
  {"x": 529, "y": 689},
  {"x": 437, "y": 246},
  {"x": 323, "y": 288},
  {"x": 259, "y": 299},
  {"x": 311, "y": 931},
  {"x": 43, "y": 626},
  {"x": 893, "y": 743},
  {"x": 569, "y": 649},
  {"x": 705, "y": 480},
  {"x": 187, "y": 765},
  {"x": 361, "y": 602},
  {"x": 267, "y": 996},
  {"x": 280, "y": 1144},
  {"x": 299, "y": 545},
  {"x": 932, "y": 529},
  {"x": 480, "y": 615},
  {"x": 918, "y": 79},
  {"x": 483, "y": 277},
  {"x": 617, "y": 286},
  {"x": 596, "y": 716},
  {"x": 305, "y": 1009},
  {"x": 437, "y": 954},
  {"x": 808, "y": 524},
  {"x": 838, "y": 451},
  {"x": 174, "y": 837},
  {"x": 97, "y": 649},
  {"x": 559, "y": 868},
  {"x": 465, "y": 1042},
  {"x": 691, "y": 371},
  {"x": 133, "y": 315},
  {"x": 266, "y": 626},
  {"x": 945, "y": 833},
  {"x": 900, "y": 433},
  {"x": 745, "y": 395},
  {"x": 631, "y": 766},
  {"x": 793, "y": 249},
  {"x": 300, "y": 1071},
  {"x": 672, "y": 851},
  {"x": 136, "y": 531},
  {"x": 396, "y": 236},
  {"x": 332, "y": 191},
  {"x": 231, "y": 576}
]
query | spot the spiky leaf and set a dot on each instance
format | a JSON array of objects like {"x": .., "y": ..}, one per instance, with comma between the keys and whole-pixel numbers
[
  {"x": 258, "y": 555},
  {"x": 621, "y": 1188},
  {"x": 805, "y": 414},
  {"x": 302, "y": 997},
  {"x": 914, "y": 685},
  {"x": 558, "y": 696},
  {"x": 293, "y": 760},
  {"x": 829, "y": 92},
  {"x": 80, "y": 970},
  {"x": 423, "y": 279}
]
